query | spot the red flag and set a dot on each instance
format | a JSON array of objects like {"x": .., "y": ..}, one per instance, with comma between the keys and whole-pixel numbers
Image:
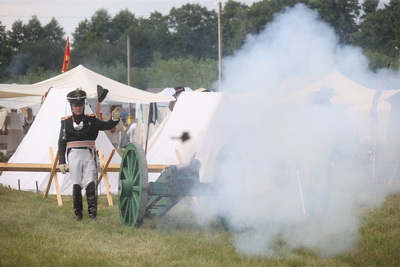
[{"x": 67, "y": 58}]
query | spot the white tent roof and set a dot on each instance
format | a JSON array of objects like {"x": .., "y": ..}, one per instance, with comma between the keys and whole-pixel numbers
[
  {"x": 81, "y": 77},
  {"x": 356, "y": 99},
  {"x": 19, "y": 102},
  {"x": 346, "y": 90},
  {"x": 44, "y": 134},
  {"x": 170, "y": 91},
  {"x": 194, "y": 113}
]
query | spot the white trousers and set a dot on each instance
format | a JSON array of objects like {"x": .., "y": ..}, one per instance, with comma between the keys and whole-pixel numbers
[{"x": 82, "y": 167}]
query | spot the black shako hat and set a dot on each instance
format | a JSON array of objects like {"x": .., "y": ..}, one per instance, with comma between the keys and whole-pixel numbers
[
  {"x": 178, "y": 90},
  {"x": 77, "y": 96}
]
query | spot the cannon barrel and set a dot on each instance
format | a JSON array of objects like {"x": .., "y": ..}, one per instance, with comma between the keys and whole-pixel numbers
[{"x": 176, "y": 180}]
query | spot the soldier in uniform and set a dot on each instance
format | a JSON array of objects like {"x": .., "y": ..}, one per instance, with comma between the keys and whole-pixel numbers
[{"x": 76, "y": 145}]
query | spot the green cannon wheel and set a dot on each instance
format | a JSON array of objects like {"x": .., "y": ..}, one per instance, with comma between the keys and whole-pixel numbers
[{"x": 132, "y": 186}]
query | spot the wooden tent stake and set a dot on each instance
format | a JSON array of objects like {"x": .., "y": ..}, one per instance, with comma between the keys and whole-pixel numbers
[
  {"x": 53, "y": 173},
  {"x": 301, "y": 192},
  {"x": 178, "y": 155},
  {"x": 104, "y": 167},
  {"x": 394, "y": 169}
]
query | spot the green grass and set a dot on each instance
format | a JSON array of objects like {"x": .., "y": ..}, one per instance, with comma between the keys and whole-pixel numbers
[{"x": 35, "y": 231}]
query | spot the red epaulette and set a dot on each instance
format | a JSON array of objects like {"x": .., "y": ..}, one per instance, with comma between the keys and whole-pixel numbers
[
  {"x": 65, "y": 118},
  {"x": 91, "y": 115}
]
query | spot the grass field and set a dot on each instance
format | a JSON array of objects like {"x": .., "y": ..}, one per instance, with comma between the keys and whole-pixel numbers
[{"x": 35, "y": 231}]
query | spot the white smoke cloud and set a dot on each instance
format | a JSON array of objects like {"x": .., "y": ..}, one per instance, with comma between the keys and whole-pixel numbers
[
  {"x": 290, "y": 45},
  {"x": 288, "y": 179}
]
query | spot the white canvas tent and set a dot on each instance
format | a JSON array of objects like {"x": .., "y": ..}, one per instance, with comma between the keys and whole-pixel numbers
[
  {"x": 20, "y": 102},
  {"x": 81, "y": 77},
  {"x": 346, "y": 91},
  {"x": 356, "y": 99},
  {"x": 18, "y": 96},
  {"x": 169, "y": 91},
  {"x": 44, "y": 134},
  {"x": 142, "y": 115},
  {"x": 194, "y": 113}
]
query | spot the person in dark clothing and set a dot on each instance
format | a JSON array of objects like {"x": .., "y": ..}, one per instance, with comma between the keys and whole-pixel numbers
[
  {"x": 28, "y": 120},
  {"x": 178, "y": 91},
  {"x": 76, "y": 145}
]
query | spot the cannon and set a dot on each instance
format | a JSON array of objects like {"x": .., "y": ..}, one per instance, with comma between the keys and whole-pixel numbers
[{"x": 138, "y": 198}]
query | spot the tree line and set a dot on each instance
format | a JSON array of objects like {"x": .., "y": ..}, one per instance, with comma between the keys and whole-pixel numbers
[{"x": 182, "y": 46}]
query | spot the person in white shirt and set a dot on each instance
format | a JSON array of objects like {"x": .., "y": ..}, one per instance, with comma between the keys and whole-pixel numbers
[
  {"x": 114, "y": 134},
  {"x": 28, "y": 120},
  {"x": 13, "y": 130}
]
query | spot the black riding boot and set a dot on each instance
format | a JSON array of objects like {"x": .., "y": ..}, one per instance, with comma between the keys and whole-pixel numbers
[
  {"x": 77, "y": 196},
  {"x": 91, "y": 200}
]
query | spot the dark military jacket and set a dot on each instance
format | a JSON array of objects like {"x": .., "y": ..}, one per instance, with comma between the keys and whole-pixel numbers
[{"x": 89, "y": 131}]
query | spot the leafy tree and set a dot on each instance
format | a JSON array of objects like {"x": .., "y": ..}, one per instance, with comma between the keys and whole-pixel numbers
[
  {"x": 341, "y": 15},
  {"x": 53, "y": 32},
  {"x": 93, "y": 52},
  {"x": 120, "y": 24},
  {"x": 33, "y": 30},
  {"x": 377, "y": 59},
  {"x": 193, "y": 29},
  {"x": 369, "y": 7},
  {"x": 380, "y": 33},
  {"x": 140, "y": 77},
  {"x": 37, "y": 75},
  {"x": 181, "y": 47},
  {"x": 81, "y": 33},
  {"x": 236, "y": 25},
  {"x": 150, "y": 36},
  {"x": 17, "y": 35},
  {"x": 35, "y": 47},
  {"x": 160, "y": 33},
  {"x": 262, "y": 12},
  {"x": 116, "y": 71},
  {"x": 182, "y": 71},
  {"x": 92, "y": 41},
  {"x": 100, "y": 24},
  {"x": 5, "y": 53}
]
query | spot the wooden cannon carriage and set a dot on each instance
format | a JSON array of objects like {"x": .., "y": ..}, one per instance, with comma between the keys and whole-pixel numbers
[{"x": 138, "y": 198}]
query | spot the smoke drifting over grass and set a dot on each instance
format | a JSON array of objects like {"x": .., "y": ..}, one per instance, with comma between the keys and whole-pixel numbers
[{"x": 286, "y": 175}]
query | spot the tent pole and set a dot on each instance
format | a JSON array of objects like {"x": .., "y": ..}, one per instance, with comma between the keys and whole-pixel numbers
[
  {"x": 148, "y": 128},
  {"x": 128, "y": 59},
  {"x": 219, "y": 47}
]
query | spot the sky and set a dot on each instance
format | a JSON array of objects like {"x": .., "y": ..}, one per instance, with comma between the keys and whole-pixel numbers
[{"x": 70, "y": 13}]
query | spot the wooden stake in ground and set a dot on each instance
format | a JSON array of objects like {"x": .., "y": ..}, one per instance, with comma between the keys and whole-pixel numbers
[
  {"x": 394, "y": 169},
  {"x": 104, "y": 167},
  {"x": 178, "y": 155},
  {"x": 53, "y": 173},
  {"x": 301, "y": 192}
]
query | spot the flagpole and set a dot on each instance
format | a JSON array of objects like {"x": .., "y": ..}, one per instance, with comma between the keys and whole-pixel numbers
[
  {"x": 372, "y": 115},
  {"x": 219, "y": 46},
  {"x": 66, "y": 66}
]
